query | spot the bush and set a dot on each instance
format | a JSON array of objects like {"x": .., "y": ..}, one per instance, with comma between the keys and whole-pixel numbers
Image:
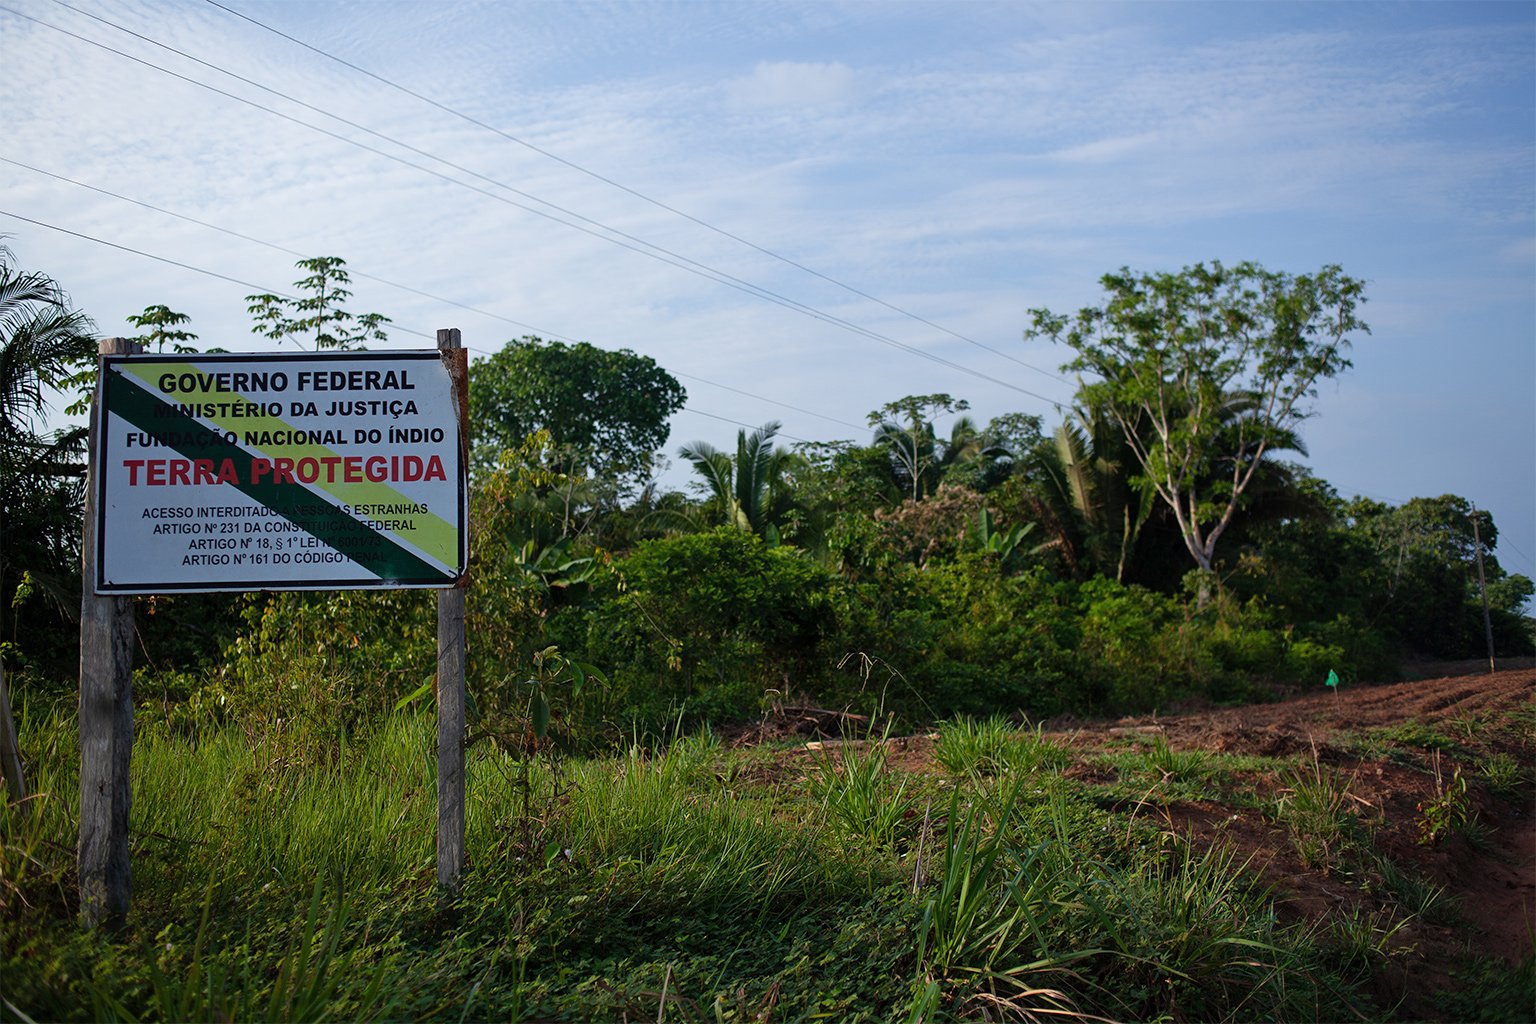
[
  {"x": 1139, "y": 650},
  {"x": 335, "y": 661},
  {"x": 963, "y": 639},
  {"x": 704, "y": 626}
]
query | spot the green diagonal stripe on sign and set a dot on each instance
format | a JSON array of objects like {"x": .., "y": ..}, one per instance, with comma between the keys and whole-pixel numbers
[{"x": 388, "y": 561}]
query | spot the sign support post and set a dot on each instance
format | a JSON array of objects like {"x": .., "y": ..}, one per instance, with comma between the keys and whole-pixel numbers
[
  {"x": 106, "y": 713},
  {"x": 220, "y": 472},
  {"x": 450, "y": 697}
]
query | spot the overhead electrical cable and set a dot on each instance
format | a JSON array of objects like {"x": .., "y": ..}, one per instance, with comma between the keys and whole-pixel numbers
[
  {"x": 650, "y": 250},
  {"x": 783, "y": 405},
  {"x": 280, "y": 248},
  {"x": 744, "y": 426},
  {"x": 643, "y": 197},
  {"x": 380, "y": 280},
  {"x": 184, "y": 266}
]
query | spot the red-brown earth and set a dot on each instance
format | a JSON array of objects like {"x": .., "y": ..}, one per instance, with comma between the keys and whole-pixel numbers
[{"x": 1381, "y": 745}]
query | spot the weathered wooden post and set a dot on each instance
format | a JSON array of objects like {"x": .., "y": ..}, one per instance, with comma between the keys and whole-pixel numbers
[
  {"x": 1482, "y": 587},
  {"x": 106, "y": 711},
  {"x": 450, "y": 676},
  {"x": 220, "y": 473},
  {"x": 10, "y": 748}
]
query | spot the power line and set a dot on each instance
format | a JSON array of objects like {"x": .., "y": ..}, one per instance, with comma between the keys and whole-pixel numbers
[
  {"x": 653, "y": 251},
  {"x": 395, "y": 284},
  {"x": 746, "y": 426},
  {"x": 393, "y": 326},
  {"x": 713, "y": 416},
  {"x": 177, "y": 263},
  {"x": 784, "y": 405},
  {"x": 277, "y": 248},
  {"x": 508, "y": 136}
]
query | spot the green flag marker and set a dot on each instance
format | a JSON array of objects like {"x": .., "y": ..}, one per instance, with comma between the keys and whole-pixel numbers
[{"x": 1333, "y": 680}]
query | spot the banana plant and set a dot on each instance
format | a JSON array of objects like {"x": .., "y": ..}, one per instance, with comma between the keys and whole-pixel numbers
[
  {"x": 1004, "y": 544},
  {"x": 550, "y": 567}
]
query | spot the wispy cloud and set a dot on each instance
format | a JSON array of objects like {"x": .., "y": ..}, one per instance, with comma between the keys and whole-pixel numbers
[{"x": 963, "y": 161}]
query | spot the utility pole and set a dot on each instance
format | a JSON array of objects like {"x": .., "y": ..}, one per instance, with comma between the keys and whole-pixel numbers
[{"x": 1482, "y": 586}]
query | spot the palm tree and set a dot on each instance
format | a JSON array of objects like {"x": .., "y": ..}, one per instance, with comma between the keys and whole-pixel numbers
[
  {"x": 43, "y": 344},
  {"x": 751, "y": 490},
  {"x": 922, "y": 459},
  {"x": 1087, "y": 498}
]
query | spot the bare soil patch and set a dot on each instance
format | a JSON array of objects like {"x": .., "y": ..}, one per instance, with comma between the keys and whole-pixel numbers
[{"x": 1382, "y": 745}]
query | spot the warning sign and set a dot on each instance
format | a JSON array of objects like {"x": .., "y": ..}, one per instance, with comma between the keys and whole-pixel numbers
[{"x": 281, "y": 472}]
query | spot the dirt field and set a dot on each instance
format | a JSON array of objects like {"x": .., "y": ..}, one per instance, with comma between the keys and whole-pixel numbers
[
  {"x": 1381, "y": 744},
  {"x": 1493, "y": 882}
]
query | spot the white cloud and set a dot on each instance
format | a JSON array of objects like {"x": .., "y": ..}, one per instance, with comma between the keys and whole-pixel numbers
[
  {"x": 962, "y": 161},
  {"x": 795, "y": 86}
]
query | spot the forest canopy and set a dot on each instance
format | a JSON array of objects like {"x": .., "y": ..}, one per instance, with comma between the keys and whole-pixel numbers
[{"x": 1155, "y": 543}]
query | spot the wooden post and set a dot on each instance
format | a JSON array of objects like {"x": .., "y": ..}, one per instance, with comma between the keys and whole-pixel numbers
[
  {"x": 10, "y": 748},
  {"x": 1482, "y": 586},
  {"x": 106, "y": 712},
  {"x": 450, "y": 693}
]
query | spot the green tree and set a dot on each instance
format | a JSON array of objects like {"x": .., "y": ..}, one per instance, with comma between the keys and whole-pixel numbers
[
  {"x": 751, "y": 491},
  {"x": 43, "y": 347},
  {"x": 905, "y": 428},
  {"x": 606, "y": 411},
  {"x": 1425, "y": 579},
  {"x": 706, "y": 623},
  {"x": 319, "y": 315},
  {"x": 1170, "y": 353},
  {"x": 164, "y": 327}
]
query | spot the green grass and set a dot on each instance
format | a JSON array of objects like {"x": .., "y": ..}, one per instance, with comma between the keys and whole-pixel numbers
[
  {"x": 862, "y": 800},
  {"x": 279, "y": 875},
  {"x": 993, "y": 746},
  {"x": 1316, "y": 810}
]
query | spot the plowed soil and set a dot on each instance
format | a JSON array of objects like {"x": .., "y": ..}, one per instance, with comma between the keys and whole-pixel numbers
[
  {"x": 1382, "y": 741},
  {"x": 1392, "y": 749}
]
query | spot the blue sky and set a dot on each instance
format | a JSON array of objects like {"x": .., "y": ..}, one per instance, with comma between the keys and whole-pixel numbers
[{"x": 963, "y": 162}]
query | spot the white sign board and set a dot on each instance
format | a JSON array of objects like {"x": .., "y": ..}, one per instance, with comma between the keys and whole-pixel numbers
[{"x": 281, "y": 472}]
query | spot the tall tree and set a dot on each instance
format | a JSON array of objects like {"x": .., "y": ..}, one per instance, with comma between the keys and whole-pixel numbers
[
  {"x": 1170, "y": 354},
  {"x": 318, "y": 316},
  {"x": 606, "y": 411},
  {"x": 43, "y": 346},
  {"x": 905, "y": 428}
]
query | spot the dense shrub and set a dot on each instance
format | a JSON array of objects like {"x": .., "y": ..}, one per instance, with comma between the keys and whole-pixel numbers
[
  {"x": 706, "y": 625},
  {"x": 968, "y": 640},
  {"x": 333, "y": 660}
]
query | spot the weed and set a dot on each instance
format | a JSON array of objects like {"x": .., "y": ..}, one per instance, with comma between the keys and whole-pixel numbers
[
  {"x": 315, "y": 978},
  {"x": 1362, "y": 940},
  {"x": 1523, "y": 721},
  {"x": 992, "y": 747},
  {"x": 859, "y": 797},
  {"x": 1317, "y": 813},
  {"x": 1487, "y": 988},
  {"x": 969, "y": 747},
  {"x": 990, "y": 895},
  {"x": 1417, "y": 895},
  {"x": 1503, "y": 774},
  {"x": 1445, "y": 812},
  {"x": 1182, "y": 766},
  {"x": 1469, "y": 725},
  {"x": 1416, "y": 734}
]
